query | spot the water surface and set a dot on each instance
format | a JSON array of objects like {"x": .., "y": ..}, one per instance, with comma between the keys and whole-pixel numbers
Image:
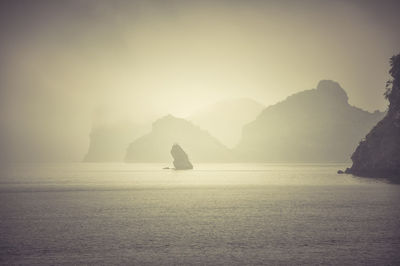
[{"x": 216, "y": 214}]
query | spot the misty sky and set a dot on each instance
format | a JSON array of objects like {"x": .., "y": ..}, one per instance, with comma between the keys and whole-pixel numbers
[{"x": 62, "y": 60}]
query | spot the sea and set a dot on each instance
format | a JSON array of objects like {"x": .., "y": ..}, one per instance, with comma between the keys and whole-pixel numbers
[{"x": 216, "y": 214}]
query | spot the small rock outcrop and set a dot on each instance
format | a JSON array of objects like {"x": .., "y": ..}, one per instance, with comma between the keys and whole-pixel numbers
[
  {"x": 181, "y": 159},
  {"x": 378, "y": 155}
]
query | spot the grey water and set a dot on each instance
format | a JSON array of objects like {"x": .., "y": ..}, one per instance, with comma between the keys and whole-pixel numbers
[{"x": 216, "y": 214}]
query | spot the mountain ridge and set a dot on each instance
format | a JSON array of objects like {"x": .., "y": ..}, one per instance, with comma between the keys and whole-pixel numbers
[
  {"x": 225, "y": 119},
  {"x": 168, "y": 130},
  {"x": 303, "y": 127}
]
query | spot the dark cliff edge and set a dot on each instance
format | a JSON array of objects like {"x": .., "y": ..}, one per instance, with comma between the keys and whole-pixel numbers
[{"x": 378, "y": 155}]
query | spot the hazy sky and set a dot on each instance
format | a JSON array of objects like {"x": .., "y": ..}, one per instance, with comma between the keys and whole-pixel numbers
[{"x": 61, "y": 60}]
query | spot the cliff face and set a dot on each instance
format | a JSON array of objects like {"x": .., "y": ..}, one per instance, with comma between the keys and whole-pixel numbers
[
  {"x": 316, "y": 125},
  {"x": 379, "y": 154},
  {"x": 155, "y": 146}
]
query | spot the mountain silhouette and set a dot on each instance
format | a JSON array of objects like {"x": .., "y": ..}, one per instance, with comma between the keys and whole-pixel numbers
[
  {"x": 108, "y": 143},
  {"x": 316, "y": 125},
  {"x": 155, "y": 146},
  {"x": 225, "y": 119}
]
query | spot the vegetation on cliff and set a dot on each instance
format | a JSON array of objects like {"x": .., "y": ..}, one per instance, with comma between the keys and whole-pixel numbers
[{"x": 378, "y": 155}]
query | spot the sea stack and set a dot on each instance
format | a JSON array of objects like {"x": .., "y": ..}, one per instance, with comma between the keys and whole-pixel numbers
[{"x": 181, "y": 159}]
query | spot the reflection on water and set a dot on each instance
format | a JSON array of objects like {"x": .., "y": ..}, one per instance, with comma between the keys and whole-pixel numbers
[{"x": 215, "y": 214}]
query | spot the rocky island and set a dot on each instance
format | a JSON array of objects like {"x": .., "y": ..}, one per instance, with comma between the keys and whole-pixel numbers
[
  {"x": 378, "y": 155},
  {"x": 317, "y": 125},
  {"x": 168, "y": 130},
  {"x": 181, "y": 159}
]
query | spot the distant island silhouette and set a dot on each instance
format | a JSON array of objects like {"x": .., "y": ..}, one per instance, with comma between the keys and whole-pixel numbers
[
  {"x": 154, "y": 146},
  {"x": 108, "y": 142},
  {"x": 317, "y": 125},
  {"x": 219, "y": 121}
]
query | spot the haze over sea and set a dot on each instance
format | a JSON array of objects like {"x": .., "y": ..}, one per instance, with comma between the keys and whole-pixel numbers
[{"x": 215, "y": 214}]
